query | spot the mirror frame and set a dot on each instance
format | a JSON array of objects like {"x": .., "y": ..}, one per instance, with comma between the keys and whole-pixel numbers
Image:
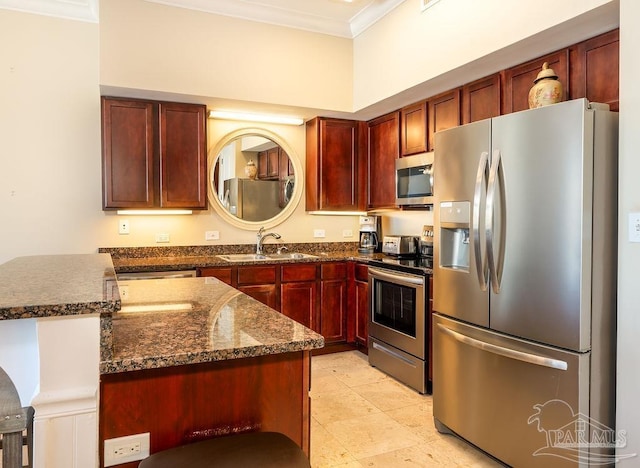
[{"x": 298, "y": 189}]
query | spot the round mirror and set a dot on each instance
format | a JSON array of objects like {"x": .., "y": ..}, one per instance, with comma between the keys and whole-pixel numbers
[{"x": 255, "y": 179}]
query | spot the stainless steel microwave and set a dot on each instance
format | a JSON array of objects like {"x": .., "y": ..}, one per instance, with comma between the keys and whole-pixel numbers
[{"x": 414, "y": 180}]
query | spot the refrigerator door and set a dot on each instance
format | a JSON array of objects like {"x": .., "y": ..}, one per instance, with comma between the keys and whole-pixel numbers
[
  {"x": 508, "y": 396},
  {"x": 542, "y": 226},
  {"x": 460, "y": 180}
]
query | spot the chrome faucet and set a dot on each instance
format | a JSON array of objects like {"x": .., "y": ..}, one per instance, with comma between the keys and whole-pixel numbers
[{"x": 260, "y": 237}]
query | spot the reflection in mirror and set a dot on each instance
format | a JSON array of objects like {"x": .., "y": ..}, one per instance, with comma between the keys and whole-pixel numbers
[{"x": 253, "y": 178}]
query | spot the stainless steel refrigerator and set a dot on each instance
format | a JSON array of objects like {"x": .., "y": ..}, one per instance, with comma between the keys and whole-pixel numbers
[
  {"x": 252, "y": 200},
  {"x": 524, "y": 284}
]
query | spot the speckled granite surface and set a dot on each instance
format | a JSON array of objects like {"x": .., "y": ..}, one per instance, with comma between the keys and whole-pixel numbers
[
  {"x": 138, "y": 259},
  {"x": 193, "y": 320},
  {"x": 54, "y": 285}
]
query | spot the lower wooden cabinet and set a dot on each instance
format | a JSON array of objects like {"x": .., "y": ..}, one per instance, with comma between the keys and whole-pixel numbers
[
  {"x": 316, "y": 295},
  {"x": 299, "y": 294},
  {"x": 361, "y": 304},
  {"x": 333, "y": 302}
]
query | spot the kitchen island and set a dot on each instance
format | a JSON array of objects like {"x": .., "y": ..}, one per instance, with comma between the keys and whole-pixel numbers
[{"x": 181, "y": 359}]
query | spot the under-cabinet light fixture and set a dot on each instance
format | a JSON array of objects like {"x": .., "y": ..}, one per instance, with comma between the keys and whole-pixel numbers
[
  {"x": 338, "y": 213},
  {"x": 248, "y": 117},
  {"x": 154, "y": 212}
]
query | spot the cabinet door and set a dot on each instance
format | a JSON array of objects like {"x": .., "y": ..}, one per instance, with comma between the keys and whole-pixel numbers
[
  {"x": 273, "y": 162},
  {"x": 383, "y": 150},
  {"x": 413, "y": 129},
  {"x": 444, "y": 112},
  {"x": 183, "y": 156},
  {"x": 263, "y": 164},
  {"x": 298, "y": 302},
  {"x": 224, "y": 274},
  {"x": 362, "y": 304},
  {"x": 332, "y": 177},
  {"x": 481, "y": 99},
  {"x": 594, "y": 70},
  {"x": 519, "y": 80},
  {"x": 265, "y": 293},
  {"x": 128, "y": 163},
  {"x": 333, "y": 302}
]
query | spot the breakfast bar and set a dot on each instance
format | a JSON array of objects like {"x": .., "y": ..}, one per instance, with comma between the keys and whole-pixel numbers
[{"x": 181, "y": 359}]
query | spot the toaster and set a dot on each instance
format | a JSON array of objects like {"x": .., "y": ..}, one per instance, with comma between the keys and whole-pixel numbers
[{"x": 399, "y": 246}]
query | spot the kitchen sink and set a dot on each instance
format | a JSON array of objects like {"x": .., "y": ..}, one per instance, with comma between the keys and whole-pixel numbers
[{"x": 262, "y": 258}]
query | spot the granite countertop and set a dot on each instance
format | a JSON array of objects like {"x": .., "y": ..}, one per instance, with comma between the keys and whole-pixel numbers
[
  {"x": 172, "y": 322},
  {"x": 143, "y": 259},
  {"x": 55, "y": 285}
]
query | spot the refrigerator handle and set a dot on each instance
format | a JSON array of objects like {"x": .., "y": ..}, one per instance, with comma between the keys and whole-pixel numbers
[
  {"x": 496, "y": 162},
  {"x": 506, "y": 352},
  {"x": 475, "y": 226}
]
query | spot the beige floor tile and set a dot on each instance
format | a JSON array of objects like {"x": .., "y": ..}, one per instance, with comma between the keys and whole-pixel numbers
[
  {"x": 388, "y": 394},
  {"x": 410, "y": 457},
  {"x": 325, "y": 381},
  {"x": 371, "y": 435},
  {"x": 337, "y": 406},
  {"x": 418, "y": 418},
  {"x": 449, "y": 451},
  {"x": 326, "y": 450}
]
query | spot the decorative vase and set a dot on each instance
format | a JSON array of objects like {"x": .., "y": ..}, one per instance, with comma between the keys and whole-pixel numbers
[
  {"x": 546, "y": 89},
  {"x": 250, "y": 170}
]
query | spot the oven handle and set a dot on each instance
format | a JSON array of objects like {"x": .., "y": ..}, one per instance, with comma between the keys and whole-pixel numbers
[{"x": 409, "y": 280}]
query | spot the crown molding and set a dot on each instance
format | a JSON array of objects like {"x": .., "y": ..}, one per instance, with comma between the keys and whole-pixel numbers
[
  {"x": 289, "y": 17},
  {"x": 82, "y": 10}
]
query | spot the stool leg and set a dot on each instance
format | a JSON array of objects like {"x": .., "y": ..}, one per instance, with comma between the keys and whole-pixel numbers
[{"x": 12, "y": 450}]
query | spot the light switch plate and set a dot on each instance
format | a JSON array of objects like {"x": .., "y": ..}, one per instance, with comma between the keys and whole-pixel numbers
[
  {"x": 634, "y": 227},
  {"x": 318, "y": 233},
  {"x": 211, "y": 235},
  {"x": 162, "y": 237}
]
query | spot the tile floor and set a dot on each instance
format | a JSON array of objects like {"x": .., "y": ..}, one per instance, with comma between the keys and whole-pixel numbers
[{"x": 363, "y": 418}]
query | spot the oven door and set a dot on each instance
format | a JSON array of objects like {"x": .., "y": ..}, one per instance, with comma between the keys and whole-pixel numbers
[{"x": 397, "y": 310}]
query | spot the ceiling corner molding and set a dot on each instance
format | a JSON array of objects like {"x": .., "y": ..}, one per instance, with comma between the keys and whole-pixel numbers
[
  {"x": 264, "y": 14},
  {"x": 370, "y": 15},
  {"x": 80, "y": 10}
]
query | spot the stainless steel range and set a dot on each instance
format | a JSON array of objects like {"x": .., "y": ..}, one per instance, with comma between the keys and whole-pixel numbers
[{"x": 398, "y": 319}]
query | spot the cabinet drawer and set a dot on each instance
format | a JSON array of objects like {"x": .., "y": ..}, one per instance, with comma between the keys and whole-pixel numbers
[
  {"x": 362, "y": 272},
  {"x": 223, "y": 274},
  {"x": 334, "y": 271},
  {"x": 257, "y": 275},
  {"x": 291, "y": 273}
]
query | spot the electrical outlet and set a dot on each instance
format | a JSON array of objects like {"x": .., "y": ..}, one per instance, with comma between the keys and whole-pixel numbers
[
  {"x": 126, "y": 449},
  {"x": 162, "y": 237},
  {"x": 634, "y": 227},
  {"x": 211, "y": 235},
  {"x": 123, "y": 226},
  {"x": 318, "y": 233},
  {"x": 347, "y": 233}
]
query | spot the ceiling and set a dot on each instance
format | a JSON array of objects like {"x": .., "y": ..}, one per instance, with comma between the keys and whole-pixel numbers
[{"x": 344, "y": 18}]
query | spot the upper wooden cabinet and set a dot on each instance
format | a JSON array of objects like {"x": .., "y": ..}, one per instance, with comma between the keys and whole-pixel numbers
[
  {"x": 594, "y": 72},
  {"x": 383, "y": 150},
  {"x": 481, "y": 99},
  {"x": 333, "y": 167},
  {"x": 269, "y": 163},
  {"x": 444, "y": 112},
  {"x": 519, "y": 80},
  {"x": 413, "y": 129},
  {"x": 153, "y": 154}
]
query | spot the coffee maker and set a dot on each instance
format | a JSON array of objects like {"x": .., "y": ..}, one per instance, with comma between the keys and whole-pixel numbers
[{"x": 370, "y": 234}]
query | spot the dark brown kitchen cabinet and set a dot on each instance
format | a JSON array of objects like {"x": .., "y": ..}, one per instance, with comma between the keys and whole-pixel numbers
[
  {"x": 299, "y": 294},
  {"x": 594, "y": 71},
  {"x": 224, "y": 274},
  {"x": 269, "y": 163},
  {"x": 361, "y": 304},
  {"x": 333, "y": 301},
  {"x": 153, "y": 154},
  {"x": 333, "y": 165},
  {"x": 261, "y": 283},
  {"x": 519, "y": 80},
  {"x": 481, "y": 99},
  {"x": 383, "y": 150},
  {"x": 413, "y": 129},
  {"x": 444, "y": 112}
]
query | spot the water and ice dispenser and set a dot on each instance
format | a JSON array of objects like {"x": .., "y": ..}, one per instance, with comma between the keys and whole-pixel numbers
[{"x": 455, "y": 219}]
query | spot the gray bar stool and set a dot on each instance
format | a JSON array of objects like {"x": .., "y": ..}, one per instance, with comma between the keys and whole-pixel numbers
[
  {"x": 14, "y": 420},
  {"x": 248, "y": 450}
]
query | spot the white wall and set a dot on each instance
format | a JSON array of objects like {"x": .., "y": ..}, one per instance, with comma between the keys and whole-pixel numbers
[{"x": 628, "y": 253}]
